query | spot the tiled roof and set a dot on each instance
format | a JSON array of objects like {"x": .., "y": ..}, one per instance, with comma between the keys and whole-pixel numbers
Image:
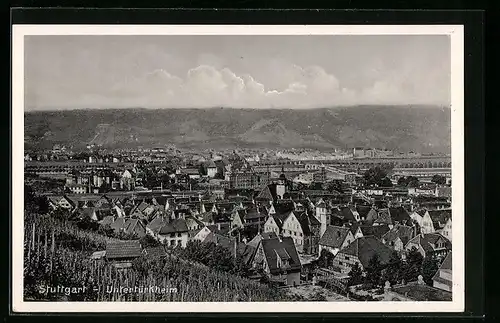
[
  {"x": 132, "y": 224},
  {"x": 363, "y": 210},
  {"x": 271, "y": 245},
  {"x": 123, "y": 249},
  {"x": 108, "y": 220},
  {"x": 220, "y": 240},
  {"x": 428, "y": 241},
  {"x": 365, "y": 248},
  {"x": 420, "y": 211},
  {"x": 87, "y": 212},
  {"x": 347, "y": 214},
  {"x": 265, "y": 194},
  {"x": 280, "y": 218},
  {"x": 444, "y": 191},
  {"x": 383, "y": 217},
  {"x": 307, "y": 222},
  {"x": 118, "y": 224},
  {"x": 399, "y": 214},
  {"x": 334, "y": 236},
  {"x": 177, "y": 225},
  {"x": 283, "y": 206},
  {"x": 265, "y": 235},
  {"x": 156, "y": 224},
  {"x": 247, "y": 252},
  {"x": 405, "y": 233},
  {"x": 440, "y": 217},
  {"x": 254, "y": 213}
]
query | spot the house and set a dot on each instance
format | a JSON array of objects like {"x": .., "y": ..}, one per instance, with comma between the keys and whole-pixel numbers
[
  {"x": 301, "y": 227},
  {"x": 237, "y": 219},
  {"x": 76, "y": 188},
  {"x": 383, "y": 217},
  {"x": 361, "y": 251},
  {"x": 398, "y": 237},
  {"x": 399, "y": 216},
  {"x": 230, "y": 244},
  {"x": 430, "y": 244},
  {"x": 266, "y": 194},
  {"x": 310, "y": 226},
  {"x": 200, "y": 234},
  {"x": 322, "y": 215},
  {"x": 191, "y": 173},
  {"x": 443, "y": 191},
  {"x": 62, "y": 202},
  {"x": 366, "y": 212},
  {"x": 174, "y": 233},
  {"x": 88, "y": 213},
  {"x": 193, "y": 223},
  {"x": 256, "y": 240},
  {"x": 437, "y": 221},
  {"x": 362, "y": 230},
  {"x": 254, "y": 215},
  {"x": 274, "y": 223},
  {"x": 122, "y": 253},
  {"x": 443, "y": 277},
  {"x": 118, "y": 225},
  {"x": 127, "y": 180},
  {"x": 134, "y": 227},
  {"x": 107, "y": 221},
  {"x": 418, "y": 215},
  {"x": 350, "y": 214},
  {"x": 211, "y": 169},
  {"x": 335, "y": 238},
  {"x": 153, "y": 227},
  {"x": 279, "y": 260}
]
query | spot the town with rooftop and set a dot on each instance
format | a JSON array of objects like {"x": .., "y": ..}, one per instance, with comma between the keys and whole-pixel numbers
[{"x": 167, "y": 223}]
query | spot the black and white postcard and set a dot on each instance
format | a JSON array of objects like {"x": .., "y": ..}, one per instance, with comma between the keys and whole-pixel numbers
[{"x": 169, "y": 168}]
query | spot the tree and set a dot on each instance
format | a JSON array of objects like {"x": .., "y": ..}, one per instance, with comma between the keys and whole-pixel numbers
[
  {"x": 392, "y": 272},
  {"x": 335, "y": 185},
  {"x": 438, "y": 179},
  {"x": 325, "y": 258},
  {"x": 316, "y": 186},
  {"x": 106, "y": 230},
  {"x": 355, "y": 275},
  {"x": 429, "y": 267},
  {"x": 375, "y": 176},
  {"x": 386, "y": 182},
  {"x": 410, "y": 181},
  {"x": 148, "y": 241},
  {"x": 373, "y": 272},
  {"x": 86, "y": 223},
  {"x": 412, "y": 266},
  {"x": 402, "y": 181},
  {"x": 104, "y": 188}
]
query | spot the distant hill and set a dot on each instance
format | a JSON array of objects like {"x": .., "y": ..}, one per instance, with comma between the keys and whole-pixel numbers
[{"x": 423, "y": 129}]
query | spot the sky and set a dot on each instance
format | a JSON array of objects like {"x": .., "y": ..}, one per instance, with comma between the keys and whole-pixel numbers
[{"x": 68, "y": 72}]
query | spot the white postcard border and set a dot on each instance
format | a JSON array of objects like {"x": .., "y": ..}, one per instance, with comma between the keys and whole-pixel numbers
[{"x": 458, "y": 198}]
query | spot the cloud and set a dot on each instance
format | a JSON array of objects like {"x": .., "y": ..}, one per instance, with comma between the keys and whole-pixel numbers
[{"x": 209, "y": 86}]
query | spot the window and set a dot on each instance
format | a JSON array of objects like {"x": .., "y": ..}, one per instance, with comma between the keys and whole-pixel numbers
[
  {"x": 179, "y": 234},
  {"x": 172, "y": 235},
  {"x": 174, "y": 243},
  {"x": 346, "y": 257}
]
